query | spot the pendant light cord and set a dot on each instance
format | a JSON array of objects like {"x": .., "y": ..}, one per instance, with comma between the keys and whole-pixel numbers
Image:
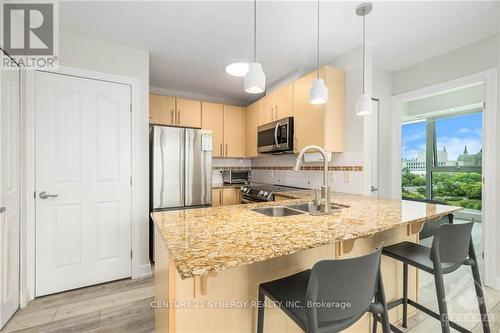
[
  {"x": 255, "y": 31},
  {"x": 317, "y": 42},
  {"x": 364, "y": 46}
]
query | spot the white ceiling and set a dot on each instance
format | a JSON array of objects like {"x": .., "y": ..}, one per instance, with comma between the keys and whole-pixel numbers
[{"x": 191, "y": 42}]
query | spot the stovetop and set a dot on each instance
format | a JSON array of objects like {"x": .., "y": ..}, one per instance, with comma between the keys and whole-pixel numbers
[{"x": 265, "y": 192}]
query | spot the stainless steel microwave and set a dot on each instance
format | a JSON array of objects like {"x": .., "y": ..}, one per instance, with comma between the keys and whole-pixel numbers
[{"x": 276, "y": 137}]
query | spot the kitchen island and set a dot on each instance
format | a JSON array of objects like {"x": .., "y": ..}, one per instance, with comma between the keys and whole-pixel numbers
[{"x": 210, "y": 261}]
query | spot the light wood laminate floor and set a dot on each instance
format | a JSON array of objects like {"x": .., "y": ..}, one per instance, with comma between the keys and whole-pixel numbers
[{"x": 121, "y": 306}]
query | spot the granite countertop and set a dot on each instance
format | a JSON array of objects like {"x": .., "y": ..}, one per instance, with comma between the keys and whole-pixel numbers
[
  {"x": 213, "y": 239},
  {"x": 223, "y": 185}
]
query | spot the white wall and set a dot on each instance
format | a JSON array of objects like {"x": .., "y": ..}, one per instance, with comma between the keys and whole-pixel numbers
[
  {"x": 84, "y": 53},
  {"x": 472, "y": 58}
]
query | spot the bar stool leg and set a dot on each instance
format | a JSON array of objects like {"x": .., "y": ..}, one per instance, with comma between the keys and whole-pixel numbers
[
  {"x": 384, "y": 317},
  {"x": 479, "y": 289},
  {"x": 374, "y": 324},
  {"x": 441, "y": 298},
  {"x": 405, "y": 295},
  {"x": 260, "y": 312}
]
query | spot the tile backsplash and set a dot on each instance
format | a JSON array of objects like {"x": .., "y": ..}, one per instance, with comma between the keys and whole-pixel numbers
[{"x": 345, "y": 171}]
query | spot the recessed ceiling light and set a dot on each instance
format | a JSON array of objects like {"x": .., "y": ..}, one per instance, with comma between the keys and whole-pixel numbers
[{"x": 237, "y": 68}]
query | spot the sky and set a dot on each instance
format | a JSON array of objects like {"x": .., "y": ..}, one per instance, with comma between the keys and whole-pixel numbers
[{"x": 454, "y": 133}]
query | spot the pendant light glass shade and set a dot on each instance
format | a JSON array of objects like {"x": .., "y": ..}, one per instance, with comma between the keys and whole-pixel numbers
[
  {"x": 318, "y": 94},
  {"x": 363, "y": 105},
  {"x": 255, "y": 80}
]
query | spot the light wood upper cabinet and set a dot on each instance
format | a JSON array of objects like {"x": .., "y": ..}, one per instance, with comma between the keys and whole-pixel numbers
[
  {"x": 277, "y": 105},
  {"x": 188, "y": 113},
  {"x": 283, "y": 102},
  {"x": 161, "y": 110},
  {"x": 252, "y": 116},
  {"x": 267, "y": 109},
  {"x": 321, "y": 125},
  {"x": 212, "y": 118},
  {"x": 234, "y": 131}
]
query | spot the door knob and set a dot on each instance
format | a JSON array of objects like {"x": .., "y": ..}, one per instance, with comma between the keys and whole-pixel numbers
[
  {"x": 2, "y": 209},
  {"x": 45, "y": 195},
  {"x": 373, "y": 189}
]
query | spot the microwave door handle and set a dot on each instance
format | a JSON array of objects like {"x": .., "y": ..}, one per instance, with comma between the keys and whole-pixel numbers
[{"x": 276, "y": 135}]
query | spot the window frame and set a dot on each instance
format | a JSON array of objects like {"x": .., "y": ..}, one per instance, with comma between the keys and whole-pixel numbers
[{"x": 431, "y": 163}]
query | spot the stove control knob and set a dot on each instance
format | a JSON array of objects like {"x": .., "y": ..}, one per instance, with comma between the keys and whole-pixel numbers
[
  {"x": 261, "y": 193},
  {"x": 265, "y": 194}
]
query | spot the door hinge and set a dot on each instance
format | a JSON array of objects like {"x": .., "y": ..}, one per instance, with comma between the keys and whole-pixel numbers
[
  {"x": 482, "y": 255},
  {"x": 34, "y": 194},
  {"x": 130, "y": 107},
  {"x": 130, "y": 254},
  {"x": 130, "y": 181},
  {"x": 483, "y": 180}
]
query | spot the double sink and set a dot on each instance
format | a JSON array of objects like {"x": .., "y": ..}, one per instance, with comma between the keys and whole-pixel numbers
[{"x": 297, "y": 209}]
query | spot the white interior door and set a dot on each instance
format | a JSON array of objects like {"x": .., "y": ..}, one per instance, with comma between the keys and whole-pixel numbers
[
  {"x": 83, "y": 170},
  {"x": 9, "y": 194}
]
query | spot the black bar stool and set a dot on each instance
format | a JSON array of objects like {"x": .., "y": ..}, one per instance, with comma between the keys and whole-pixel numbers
[
  {"x": 452, "y": 247},
  {"x": 331, "y": 296}
]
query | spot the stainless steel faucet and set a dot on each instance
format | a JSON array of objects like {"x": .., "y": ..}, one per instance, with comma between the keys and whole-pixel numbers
[{"x": 325, "y": 206}]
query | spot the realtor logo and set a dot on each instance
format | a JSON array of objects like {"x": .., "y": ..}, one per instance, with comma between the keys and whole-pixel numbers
[{"x": 30, "y": 34}]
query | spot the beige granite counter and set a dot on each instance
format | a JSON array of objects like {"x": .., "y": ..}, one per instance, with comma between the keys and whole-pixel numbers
[
  {"x": 213, "y": 239},
  {"x": 222, "y": 185}
]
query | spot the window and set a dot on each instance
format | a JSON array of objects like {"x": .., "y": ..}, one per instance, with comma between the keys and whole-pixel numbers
[{"x": 448, "y": 166}]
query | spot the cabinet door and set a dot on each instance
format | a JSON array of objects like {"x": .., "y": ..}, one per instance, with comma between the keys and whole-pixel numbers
[
  {"x": 252, "y": 115},
  {"x": 309, "y": 122},
  {"x": 234, "y": 131},
  {"x": 216, "y": 197},
  {"x": 230, "y": 196},
  {"x": 267, "y": 109},
  {"x": 161, "y": 110},
  {"x": 212, "y": 118},
  {"x": 284, "y": 102},
  {"x": 188, "y": 113}
]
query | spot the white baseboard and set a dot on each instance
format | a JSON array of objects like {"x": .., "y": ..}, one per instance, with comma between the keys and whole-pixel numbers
[
  {"x": 142, "y": 271},
  {"x": 25, "y": 298}
]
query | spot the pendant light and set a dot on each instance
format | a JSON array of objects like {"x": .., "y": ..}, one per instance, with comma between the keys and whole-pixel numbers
[
  {"x": 364, "y": 101},
  {"x": 255, "y": 79},
  {"x": 318, "y": 94}
]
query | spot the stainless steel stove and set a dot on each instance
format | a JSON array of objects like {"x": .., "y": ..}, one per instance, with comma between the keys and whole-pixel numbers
[{"x": 256, "y": 192}]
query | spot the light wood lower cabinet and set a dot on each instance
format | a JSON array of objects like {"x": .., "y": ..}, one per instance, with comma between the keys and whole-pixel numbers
[
  {"x": 225, "y": 196},
  {"x": 216, "y": 197},
  {"x": 252, "y": 113}
]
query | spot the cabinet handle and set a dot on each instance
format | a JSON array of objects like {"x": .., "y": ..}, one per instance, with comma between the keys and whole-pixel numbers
[
  {"x": 276, "y": 113},
  {"x": 178, "y": 117},
  {"x": 220, "y": 197},
  {"x": 172, "y": 116},
  {"x": 220, "y": 150},
  {"x": 226, "y": 149}
]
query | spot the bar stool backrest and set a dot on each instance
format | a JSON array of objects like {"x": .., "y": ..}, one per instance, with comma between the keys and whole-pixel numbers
[
  {"x": 341, "y": 289},
  {"x": 451, "y": 243}
]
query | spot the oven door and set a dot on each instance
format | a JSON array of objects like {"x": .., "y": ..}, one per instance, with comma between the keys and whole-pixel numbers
[
  {"x": 246, "y": 199},
  {"x": 276, "y": 136}
]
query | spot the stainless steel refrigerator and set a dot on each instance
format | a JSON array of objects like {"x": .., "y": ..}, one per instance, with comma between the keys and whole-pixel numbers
[{"x": 181, "y": 167}]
